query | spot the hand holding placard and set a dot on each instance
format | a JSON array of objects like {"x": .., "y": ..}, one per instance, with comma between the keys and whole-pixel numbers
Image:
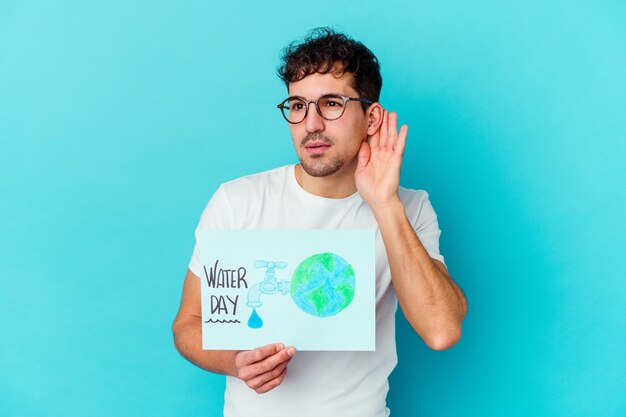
[{"x": 264, "y": 368}]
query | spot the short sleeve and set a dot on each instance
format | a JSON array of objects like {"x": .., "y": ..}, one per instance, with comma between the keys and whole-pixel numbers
[
  {"x": 216, "y": 215},
  {"x": 426, "y": 227}
]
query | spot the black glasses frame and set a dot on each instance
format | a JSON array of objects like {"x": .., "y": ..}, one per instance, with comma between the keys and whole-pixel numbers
[{"x": 283, "y": 105}]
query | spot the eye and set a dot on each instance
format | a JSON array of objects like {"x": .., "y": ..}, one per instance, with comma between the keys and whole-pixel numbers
[
  {"x": 332, "y": 102},
  {"x": 296, "y": 105}
]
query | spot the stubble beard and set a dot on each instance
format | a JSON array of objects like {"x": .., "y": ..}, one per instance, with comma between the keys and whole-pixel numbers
[
  {"x": 321, "y": 168},
  {"x": 317, "y": 167}
]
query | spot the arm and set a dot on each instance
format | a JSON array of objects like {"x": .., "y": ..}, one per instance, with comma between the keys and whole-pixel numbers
[
  {"x": 187, "y": 329},
  {"x": 262, "y": 369},
  {"x": 431, "y": 301}
]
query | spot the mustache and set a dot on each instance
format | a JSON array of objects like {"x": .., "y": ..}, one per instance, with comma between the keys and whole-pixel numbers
[{"x": 317, "y": 137}]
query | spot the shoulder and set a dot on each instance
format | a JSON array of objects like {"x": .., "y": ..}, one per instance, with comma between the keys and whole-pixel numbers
[
  {"x": 236, "y": 199},
  {"x": 412, "y": 198},
  {"x": 418, "y": 207},
  {"x": 252, "y": 190},
  {"x": 256, "y": 182},
  {"x": 272, "y": 176}
]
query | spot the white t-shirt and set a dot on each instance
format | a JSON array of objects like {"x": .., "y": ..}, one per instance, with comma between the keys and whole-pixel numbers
[{"x": 341, "y": 384}]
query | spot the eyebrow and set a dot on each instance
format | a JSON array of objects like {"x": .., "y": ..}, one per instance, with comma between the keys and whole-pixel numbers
[{"x": 321, "y": 95}]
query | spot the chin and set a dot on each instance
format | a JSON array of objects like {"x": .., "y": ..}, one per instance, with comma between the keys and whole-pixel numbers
[{"x": 321, "y": 168}]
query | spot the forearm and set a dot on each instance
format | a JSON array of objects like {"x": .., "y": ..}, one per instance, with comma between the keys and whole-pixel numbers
[
  {"x": 188, "y": 342},
  {"x": 431, "y": 301}
]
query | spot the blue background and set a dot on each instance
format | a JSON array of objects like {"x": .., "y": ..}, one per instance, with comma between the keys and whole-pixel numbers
[{"x": 118, "y": 120}]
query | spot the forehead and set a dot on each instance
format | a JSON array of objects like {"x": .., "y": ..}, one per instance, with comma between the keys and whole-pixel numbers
[{"x": 314, "y": 85}]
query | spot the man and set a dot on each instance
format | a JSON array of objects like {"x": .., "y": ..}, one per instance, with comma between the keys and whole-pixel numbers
[{"x": 350, "y": 154}]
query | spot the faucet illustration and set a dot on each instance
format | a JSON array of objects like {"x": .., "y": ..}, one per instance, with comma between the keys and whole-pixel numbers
[{"x": 269, "y": 285}]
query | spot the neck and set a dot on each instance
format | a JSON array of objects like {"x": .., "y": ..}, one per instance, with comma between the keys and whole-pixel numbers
[{"x": 341, "y": 184}]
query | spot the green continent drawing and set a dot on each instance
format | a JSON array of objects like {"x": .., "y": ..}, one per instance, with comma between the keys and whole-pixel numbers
[{"x": 323, "y": 284}]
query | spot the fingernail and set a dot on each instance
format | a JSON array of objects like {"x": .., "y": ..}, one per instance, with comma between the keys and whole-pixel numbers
[
  {"x": 291, "y": 351},
  {"x": 280, "y": 347}
]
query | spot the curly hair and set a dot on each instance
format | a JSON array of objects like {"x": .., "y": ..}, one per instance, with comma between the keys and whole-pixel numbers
[{"x": 323, "y": 50}]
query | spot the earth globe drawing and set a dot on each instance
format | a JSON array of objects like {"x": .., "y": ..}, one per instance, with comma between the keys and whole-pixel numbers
[{"x": 323, "y": 284}]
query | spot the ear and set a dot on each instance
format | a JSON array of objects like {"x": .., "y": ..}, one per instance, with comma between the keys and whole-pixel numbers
[{"x": 374, "y": 116}]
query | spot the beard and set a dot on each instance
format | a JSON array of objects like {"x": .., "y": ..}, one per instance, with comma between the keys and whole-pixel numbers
[
  {"x": 321, "y": 168},
  {"x": 317, "y": 166}
]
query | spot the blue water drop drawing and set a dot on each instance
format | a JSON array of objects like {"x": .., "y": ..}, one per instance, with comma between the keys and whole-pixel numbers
[{"x": 255, "y": 321}]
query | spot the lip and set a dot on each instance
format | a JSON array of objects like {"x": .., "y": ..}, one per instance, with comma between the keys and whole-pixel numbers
[{"x": 316, "y": 147}]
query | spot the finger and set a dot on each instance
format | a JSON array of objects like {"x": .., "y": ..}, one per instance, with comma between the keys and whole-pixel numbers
[
  {"x": 269, "y": 363},
  {"x": 392, "y": 127},
  {"x": 261, "y": 379},
  {"x": 400, "y": 144},
  {"x": 383, "y": 130},
  {"x": 375, "y": 139},
  {"x": 364, "y": 155},
  {"x": 270, "y": 385},
  {"x": 258, "y": 354}
]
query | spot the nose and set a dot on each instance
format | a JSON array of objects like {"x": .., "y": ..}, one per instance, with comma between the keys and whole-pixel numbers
[{"x": 313, "y": 121}]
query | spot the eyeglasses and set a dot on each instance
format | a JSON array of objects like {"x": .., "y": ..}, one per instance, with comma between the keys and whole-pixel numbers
[{"x": 329, "y": 107}]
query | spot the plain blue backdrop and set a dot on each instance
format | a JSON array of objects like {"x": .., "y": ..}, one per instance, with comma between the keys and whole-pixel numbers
[{"x": 119, "y": 119}]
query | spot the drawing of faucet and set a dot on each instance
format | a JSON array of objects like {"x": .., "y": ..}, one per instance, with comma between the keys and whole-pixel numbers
[{"x": 269, "y": 285}]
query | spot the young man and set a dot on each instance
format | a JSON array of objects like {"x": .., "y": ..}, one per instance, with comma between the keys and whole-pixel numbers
[{"x": 350, "y": 153}]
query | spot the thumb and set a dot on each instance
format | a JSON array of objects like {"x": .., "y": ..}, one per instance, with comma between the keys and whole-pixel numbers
[{"x": 364, "y": 155}]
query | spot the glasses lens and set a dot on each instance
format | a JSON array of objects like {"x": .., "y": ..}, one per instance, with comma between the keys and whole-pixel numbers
[
  {"x": 294, "y": 110},
  {"x": 331, "y": 106}
]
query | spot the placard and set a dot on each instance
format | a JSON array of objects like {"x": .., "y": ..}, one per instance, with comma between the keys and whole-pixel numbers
[{"x": 311, "y": 289}]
